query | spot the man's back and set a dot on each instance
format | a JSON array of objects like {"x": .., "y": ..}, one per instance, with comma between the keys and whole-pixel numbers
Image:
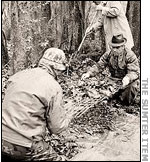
[{"x": 24, "y": 107}]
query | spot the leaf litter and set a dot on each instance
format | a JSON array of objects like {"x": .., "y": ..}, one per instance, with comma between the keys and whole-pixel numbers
[{"x": 86, "y": 101}]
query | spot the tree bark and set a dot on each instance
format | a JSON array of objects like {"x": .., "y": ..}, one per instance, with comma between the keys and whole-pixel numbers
[
  {"x": 134, "y": 15},
  {"x": 17, "y": 60},
  {"x": 37, "y": 25}
]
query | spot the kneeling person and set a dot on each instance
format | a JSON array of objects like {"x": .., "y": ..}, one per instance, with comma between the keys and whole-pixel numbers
[
  {"x": 32, "y": 103},
  {"x": 123, "y": 64}
]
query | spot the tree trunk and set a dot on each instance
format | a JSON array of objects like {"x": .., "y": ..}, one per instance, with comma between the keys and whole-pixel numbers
[
  {"x": 17, "y": 60},
  {"x": 134, "y": 15},
  {"x": 37, "y": 25},
  {"x": 5, "y": 57},
  {"x": 6, "y": 18}
]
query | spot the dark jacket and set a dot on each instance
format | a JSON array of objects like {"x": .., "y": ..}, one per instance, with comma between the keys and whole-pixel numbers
[{"x": 126, "y": 64}]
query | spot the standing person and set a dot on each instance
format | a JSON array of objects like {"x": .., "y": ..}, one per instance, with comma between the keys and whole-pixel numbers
[
  {"x": 122, "y": 64},
  {"x": 113, "y": 20},
  {"x": 32, "y": 103}
]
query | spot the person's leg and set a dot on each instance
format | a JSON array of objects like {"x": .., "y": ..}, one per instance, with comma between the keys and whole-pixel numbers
[
  {"x": 13, "y": 152},
  {"x": 129, "y": 94},
  {"x": 6, "y": 157},
  {"x": 42, "y": 150}
]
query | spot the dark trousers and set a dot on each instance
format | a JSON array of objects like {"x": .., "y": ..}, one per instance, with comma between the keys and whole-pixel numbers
[
  {"x": 128, "y": 95},
  {"x": 40, "y": 151},
  {"x": 13, "y": 152}
]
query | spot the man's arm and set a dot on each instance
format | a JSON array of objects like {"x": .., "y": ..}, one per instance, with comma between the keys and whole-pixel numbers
[
  {"x": 57, "y": 120},
  {"x": 96, "y": 26},
  {"x": 133, "y": 70},
  {"x": 113, "y": 10},
  {"x": 100, "y": 66}
]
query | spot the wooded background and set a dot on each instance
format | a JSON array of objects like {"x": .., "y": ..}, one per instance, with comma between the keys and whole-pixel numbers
[{"x": 32, "y": 26}]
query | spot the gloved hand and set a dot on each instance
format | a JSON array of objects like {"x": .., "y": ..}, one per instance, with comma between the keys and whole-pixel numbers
[
  {"x": 125, "y": 81},
  {"x": 85, "y": 76}
]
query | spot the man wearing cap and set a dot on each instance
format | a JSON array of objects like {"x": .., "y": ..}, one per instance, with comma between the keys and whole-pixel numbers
[
  {"x": 122, "y": 64},
  {"x": 32, "y": 103}
]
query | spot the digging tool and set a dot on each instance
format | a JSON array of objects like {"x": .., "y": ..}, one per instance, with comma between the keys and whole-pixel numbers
[
  {"x": 90, "y": 25},
  {"x": 85, "y": 35},
  {"x": 74, "y": 55}
]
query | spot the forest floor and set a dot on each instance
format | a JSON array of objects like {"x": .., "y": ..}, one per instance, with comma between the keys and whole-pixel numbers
[
  {"x": 104, "y": 130},
  {"x": 120, "y": 144},
  {"x": 100, "y": 130}
]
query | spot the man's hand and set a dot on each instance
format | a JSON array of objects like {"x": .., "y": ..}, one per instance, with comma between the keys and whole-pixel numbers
[
  {"x": 125, "y": 81},
  {"x": 90, "y": 30},
  {"x": 99, "y": 7},
  {"x": 85, "y": 76}
]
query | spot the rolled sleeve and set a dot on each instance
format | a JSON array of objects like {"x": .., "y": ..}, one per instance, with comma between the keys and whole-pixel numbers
[{"x": 113, "y": 10}]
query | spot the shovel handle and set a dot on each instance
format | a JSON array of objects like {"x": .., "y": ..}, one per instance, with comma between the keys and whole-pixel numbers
[
  {"x": 81, "y": 42},
  {"x": 86, "y": 32}
]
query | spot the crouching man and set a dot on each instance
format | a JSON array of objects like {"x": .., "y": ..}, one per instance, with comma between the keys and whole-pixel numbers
[
  {"x": 122, "y": 64},
  {"x": 32, "y": 103}
]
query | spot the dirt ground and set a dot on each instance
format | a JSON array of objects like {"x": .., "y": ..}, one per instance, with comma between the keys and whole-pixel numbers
[
  {"x": 118, "y": 138},
  {"x": 121, "y": 144}
]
